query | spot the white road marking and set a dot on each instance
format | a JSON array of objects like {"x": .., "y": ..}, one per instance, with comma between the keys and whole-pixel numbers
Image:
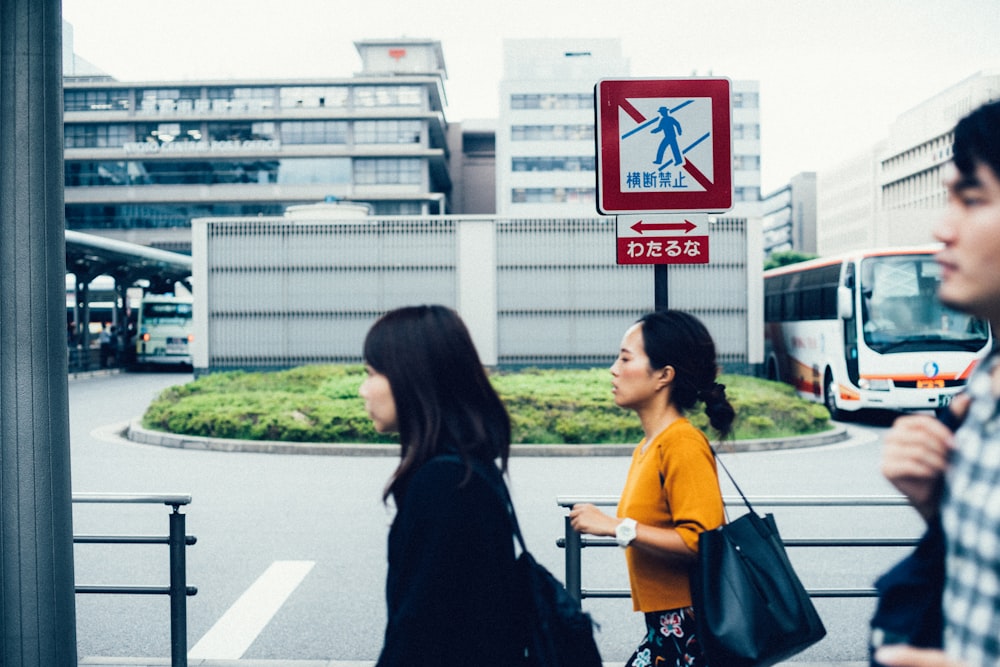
[{"x": 237, "y": 629}]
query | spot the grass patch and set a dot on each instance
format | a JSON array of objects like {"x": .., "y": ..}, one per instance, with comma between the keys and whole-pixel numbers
[{"x": 321, "y": 404}]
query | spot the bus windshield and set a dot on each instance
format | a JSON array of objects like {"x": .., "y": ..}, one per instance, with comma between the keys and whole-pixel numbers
[
  {"x": 901, "y": 313},
  {"x": 166, "y": 313}
]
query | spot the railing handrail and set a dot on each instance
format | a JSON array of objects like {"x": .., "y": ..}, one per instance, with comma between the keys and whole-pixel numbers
[
  {"x": 176, "y": 541},
  {"x": 171, "y": 499},
  {"x": 766, "y": 501},
  {"x": 573, "y": 542}
]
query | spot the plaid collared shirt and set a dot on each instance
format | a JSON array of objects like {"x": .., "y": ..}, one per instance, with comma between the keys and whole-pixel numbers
[{"x": 970, "y": 512}]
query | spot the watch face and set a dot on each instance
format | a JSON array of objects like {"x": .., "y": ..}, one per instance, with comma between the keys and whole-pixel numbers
[{"x": 625, "y": 532}]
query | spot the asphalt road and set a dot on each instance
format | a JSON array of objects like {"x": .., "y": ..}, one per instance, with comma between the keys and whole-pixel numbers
[{"x": 316, "y": 525}]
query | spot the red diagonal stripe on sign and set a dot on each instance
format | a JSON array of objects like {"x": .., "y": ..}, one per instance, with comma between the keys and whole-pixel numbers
[
  {"x": 697, "y": 175},
  {"x": 634, "y": 113}
]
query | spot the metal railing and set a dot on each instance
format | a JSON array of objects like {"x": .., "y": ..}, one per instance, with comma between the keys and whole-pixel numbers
[
  {"x": 574, "y": 543},
  {"x": 176, "y": 540}
]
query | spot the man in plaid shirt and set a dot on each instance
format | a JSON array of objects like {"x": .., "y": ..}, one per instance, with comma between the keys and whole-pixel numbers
[{"x": 921, "y": 452}]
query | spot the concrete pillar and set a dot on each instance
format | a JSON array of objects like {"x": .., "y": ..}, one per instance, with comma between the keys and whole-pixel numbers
[
  {"x": 38, "y": 623},
  {"x": 476, "y": 274}
]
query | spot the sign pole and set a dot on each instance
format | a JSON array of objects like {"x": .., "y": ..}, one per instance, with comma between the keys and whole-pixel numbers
[{"x": 661, "y": 295}]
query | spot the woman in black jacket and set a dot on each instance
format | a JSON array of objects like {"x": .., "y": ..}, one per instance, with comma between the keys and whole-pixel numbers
[{"x": 450, "y": 588}]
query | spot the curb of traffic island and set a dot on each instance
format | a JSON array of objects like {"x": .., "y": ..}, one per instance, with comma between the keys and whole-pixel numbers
[{"x": 136, "y": 433}]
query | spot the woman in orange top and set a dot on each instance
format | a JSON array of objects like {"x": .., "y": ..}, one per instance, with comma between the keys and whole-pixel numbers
[{"x": 665, "y": 366}]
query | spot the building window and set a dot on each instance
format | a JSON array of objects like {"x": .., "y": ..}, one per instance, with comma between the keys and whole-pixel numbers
[
  {"x": 297, "y": 171},
  {"x": 168, "y": 100},
  {"x": 95, "y": 100},
  {"x": 89, "y": 174},
  {"x": 96, "y": 136},
  {"x": 312, "y": 97},
  {"x": 387, "y": 131},
  {"x": 746, "y": 100},
  {"x": 746, "y": 194},
  {"x": 141, "y": 216},
  {"x": 746, "y": 131},
  {"x": 388, "y": 96},
  {"x": 571, "y": 163},
  {"x": 314, "y": 132},
  {"x": 227, "y": 100},
  {"x": 397, "y": 208},
  {"x": 166, "y": 132},
  {"x": 312, "y": 171},
  {"x": 241, "y": 131},
  {"x": 577, "y": 132},
  {"x": 388, "y": 171},
  {"x": 552, "y": 101},
  {"x": 746, "y": 162},
  {"x": 552, "y": 195}
]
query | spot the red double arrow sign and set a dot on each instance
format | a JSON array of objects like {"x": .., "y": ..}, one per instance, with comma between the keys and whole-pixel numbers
[{"x": 686, "y": 226}]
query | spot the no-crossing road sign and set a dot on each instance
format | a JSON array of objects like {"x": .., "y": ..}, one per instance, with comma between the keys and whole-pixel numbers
[{"x": 664, "y": 145}]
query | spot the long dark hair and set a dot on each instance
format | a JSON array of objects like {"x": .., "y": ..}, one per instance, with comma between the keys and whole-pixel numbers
[
  {"x": 444, "y": 399},
  {"x": 679, "y": 339}
]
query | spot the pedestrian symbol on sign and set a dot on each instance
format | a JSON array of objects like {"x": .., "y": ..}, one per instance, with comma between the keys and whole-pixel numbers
[{"x": 671, "y": 130}]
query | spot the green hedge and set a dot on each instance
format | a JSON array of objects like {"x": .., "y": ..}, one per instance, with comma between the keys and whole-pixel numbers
[{"x": 321, "y": 404}]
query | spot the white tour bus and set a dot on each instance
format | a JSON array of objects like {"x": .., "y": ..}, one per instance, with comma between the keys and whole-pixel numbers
[
  {"x": 865, "y": 330},
  {"x": 163, "y": 330}
]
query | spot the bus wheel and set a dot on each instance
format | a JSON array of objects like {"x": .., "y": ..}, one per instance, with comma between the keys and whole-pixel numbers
[{"x": 830, "y": 397}]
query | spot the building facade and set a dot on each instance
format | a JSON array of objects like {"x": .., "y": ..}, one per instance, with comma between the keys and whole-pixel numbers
[
  {"x": 892, "y": 193},
  {"x": 847, "y": 204},
  {"x": 144, "y": 159},
  {"x": 789, "y": 216},
  {"x": 746, "y": 148},
  {"x": 545, "y": 149},
  {"x": 473, "y": 166},
  {"x": 917, "y": 151}
]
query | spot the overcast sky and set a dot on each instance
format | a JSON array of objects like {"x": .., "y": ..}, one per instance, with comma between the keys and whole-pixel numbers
[{"x": 833, "y": 73}]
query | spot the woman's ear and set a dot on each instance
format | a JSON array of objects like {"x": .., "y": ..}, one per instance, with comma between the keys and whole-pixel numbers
[{"x": 666, "y": 376}]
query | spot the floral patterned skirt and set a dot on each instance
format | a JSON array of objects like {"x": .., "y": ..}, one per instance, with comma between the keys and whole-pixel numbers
[{"x": 670, "y": 641}]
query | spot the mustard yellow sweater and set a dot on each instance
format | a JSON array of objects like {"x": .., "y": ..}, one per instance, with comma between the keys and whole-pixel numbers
[{"x": 672, "y": 484}]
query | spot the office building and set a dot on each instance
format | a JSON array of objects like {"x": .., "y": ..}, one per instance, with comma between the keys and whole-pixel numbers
[
  {"x": 545, "y": 142},
  {"x": 917, "y": 150},
  {"x": 789, "y": 216},
  {"x": 545, "y": 148},
  {"x": 847, "y": 204},
  {"x": 892, "y": 193},
  {"x": 143, "y": 159},
  {"x": 746, "y": 148}
]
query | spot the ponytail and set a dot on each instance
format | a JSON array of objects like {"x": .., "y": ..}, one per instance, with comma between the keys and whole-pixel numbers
[{"x": 720, "y": 411}]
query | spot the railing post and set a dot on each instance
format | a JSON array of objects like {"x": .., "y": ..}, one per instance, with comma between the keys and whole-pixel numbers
[
  {"x": 574, "y": 544},
  {"x": 178, "y": 590}
]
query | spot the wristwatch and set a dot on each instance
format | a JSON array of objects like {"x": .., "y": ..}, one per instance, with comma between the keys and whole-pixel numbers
[{"x": 625, "y": 532}]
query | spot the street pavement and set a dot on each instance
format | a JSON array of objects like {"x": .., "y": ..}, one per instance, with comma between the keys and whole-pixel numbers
[{"x": 831, "y": 470}]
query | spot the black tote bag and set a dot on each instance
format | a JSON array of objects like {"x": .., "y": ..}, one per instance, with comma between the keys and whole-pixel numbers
[{"x": 750, "y": 606}]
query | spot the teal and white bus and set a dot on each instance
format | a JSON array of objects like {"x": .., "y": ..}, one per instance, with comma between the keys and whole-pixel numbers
[
  {"x": 163, "y": 330},
  {"x": 866, "y": 330}
]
